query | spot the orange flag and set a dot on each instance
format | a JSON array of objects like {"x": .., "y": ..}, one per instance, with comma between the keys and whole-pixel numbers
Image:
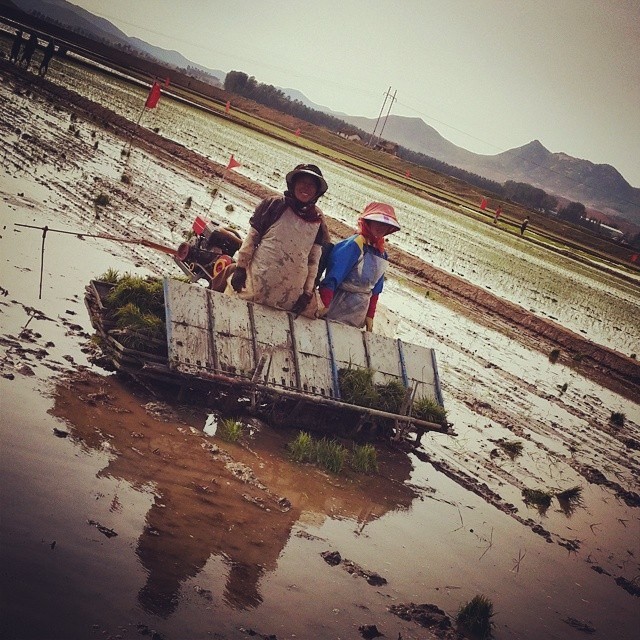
[
  {"x": 233, "y": 163},
  {"x": 153, "y": 97}
]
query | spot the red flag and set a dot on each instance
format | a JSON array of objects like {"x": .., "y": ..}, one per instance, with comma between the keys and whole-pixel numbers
[
  {"x": 297, "y": 132},
  {"x": 226, "y": 109},
  {"x": 166, "y": 81},
  {"x": 407, "y": 174},
  {"x": 233, "y": 163},
  {"x": 153, "y": 97},
  {"x": 634, "y": 257},
  {"x": 483, "y": 204}
]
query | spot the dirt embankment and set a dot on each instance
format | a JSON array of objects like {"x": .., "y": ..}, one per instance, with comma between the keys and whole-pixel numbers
[{"x": 608, "y": 368}]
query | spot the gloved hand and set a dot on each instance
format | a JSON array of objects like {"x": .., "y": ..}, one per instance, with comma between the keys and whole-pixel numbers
[
  {"x": 239, "y": 279},
  {"x": 368, "y": 324},
  {"x": 326, "y": 295},
  {"x": 301, "y": 303}
]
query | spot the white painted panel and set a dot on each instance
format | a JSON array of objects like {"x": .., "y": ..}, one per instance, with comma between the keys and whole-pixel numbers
[
  {"x": 384, "y": 357},
  {"x": 313, "y": 356},
  {"x": 348, "y": 346},
  {"x": 189, "y": 349},
  {"x": 273, "y": 337},
  {"x": 188, "y": 303}
]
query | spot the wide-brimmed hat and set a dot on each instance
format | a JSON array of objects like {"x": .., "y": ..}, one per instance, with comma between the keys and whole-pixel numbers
[
  {"x": 310, "y": 170},
  {"x": 381, "y": 212}
]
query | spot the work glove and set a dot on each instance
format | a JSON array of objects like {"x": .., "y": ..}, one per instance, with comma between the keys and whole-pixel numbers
[
  {"x": 301, "y": 303},
  {"x": 368, "y": 324},
  {"x": 239, "y": 279}
]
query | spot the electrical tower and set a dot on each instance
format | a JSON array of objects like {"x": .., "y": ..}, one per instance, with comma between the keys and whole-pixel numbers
[{"x": 391, "y": 98}]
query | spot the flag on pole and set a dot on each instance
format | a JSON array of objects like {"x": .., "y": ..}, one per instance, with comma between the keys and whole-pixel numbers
[
  {"x": 407, "y": 174},
  {"x": 233, "y": 163},
  {"x": 228, "y": 106},
  {"x": 153, "y": 97},
  {"x": 297, "y": 132}
]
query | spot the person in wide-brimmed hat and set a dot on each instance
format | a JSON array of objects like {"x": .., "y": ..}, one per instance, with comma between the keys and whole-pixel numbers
[
  {"x": 277, "y": 263},
  {"x": 355, "y": 269}
]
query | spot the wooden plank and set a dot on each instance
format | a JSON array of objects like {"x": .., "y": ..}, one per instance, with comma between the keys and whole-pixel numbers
[
  {"x": 384, "y": 358},
  {"x": 231, "y": 334},
  {"x": 273, "y": 337},
  {"x": 348, "y": 346},
  {"x": 314, "y": 360},
  {"x": 188, "y": 349},
  {"x": 419, "y": 367},
  {"x": 187, "y": 303}
]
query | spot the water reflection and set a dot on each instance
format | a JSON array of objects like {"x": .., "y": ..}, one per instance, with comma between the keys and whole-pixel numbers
[{"x": 201, "y": 508}]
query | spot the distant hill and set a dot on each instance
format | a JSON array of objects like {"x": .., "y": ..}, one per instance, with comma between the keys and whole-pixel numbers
[{"x": 597, "y": 185}]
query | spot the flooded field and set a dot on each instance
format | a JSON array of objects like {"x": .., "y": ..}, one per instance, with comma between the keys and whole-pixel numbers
[
  {"x": 122, "y": 517},
  {"x": 579, "y": 297}
]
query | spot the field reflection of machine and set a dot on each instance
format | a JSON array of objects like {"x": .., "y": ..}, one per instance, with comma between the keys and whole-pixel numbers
[{"x": 209, "y": 251}]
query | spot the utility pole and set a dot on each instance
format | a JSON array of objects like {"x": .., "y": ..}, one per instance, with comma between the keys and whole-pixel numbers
[
  {"x": 391, "y": 101},
  {"x": 386, "y": 95}
]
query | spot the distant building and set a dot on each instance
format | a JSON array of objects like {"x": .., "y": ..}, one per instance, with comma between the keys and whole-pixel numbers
[{"x": 354, "y": 137}]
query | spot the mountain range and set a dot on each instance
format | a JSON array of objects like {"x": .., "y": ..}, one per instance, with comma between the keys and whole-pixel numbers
[{"x": 598, "y": 186}]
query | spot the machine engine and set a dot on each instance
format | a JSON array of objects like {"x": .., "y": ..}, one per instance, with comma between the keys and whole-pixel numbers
[{"x": 209, "y": 251}]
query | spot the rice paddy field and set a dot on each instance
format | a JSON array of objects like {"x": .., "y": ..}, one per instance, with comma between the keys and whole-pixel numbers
[{"x": 532, "y": 501}]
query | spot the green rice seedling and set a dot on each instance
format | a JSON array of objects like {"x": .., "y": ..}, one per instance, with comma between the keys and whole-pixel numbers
[
  {"x": 570, "y": 499},
  {"x": 364, "y": 458},
  {"x": 331, "y": 455},
  {"x": 475, "y": 617},
  {"x": 356, "y": 386},
  {"x": 188, "y": 202},
  {"x": 540, "y": 499},
  {"x": 513, "y": 448},
  {"x": 146, "y": 293},
  {"x": 428, "y": 409},
  {"x": 110, "y": 275},
  {"x": 617, "y": 419},
  {"x": 302, "y": 448},
  {"x": 390, "y": 396},
  {"x": 554, "y": 355},
  {"x": 101, "y": 200},
  {"x": 131, "y": 317},
  {"x": 125, "y": 178},
  {"x": 141, "y": 331},
  {"x": 230, "y": 430},
  {"x": 229, "y": 208}
]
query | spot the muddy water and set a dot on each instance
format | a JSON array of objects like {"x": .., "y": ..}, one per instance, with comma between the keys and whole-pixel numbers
[{"x": 200, "y": 552}]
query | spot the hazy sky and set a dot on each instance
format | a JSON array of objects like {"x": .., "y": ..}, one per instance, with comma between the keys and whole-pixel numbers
[{"x": 489, "y": 75}]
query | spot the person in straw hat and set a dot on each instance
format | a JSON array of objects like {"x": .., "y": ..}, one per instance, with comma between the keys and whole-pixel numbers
[{"x": 354, "y": 277}]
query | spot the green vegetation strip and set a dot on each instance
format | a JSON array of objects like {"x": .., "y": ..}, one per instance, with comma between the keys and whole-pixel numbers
[{"x": 331, "y": 455}]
